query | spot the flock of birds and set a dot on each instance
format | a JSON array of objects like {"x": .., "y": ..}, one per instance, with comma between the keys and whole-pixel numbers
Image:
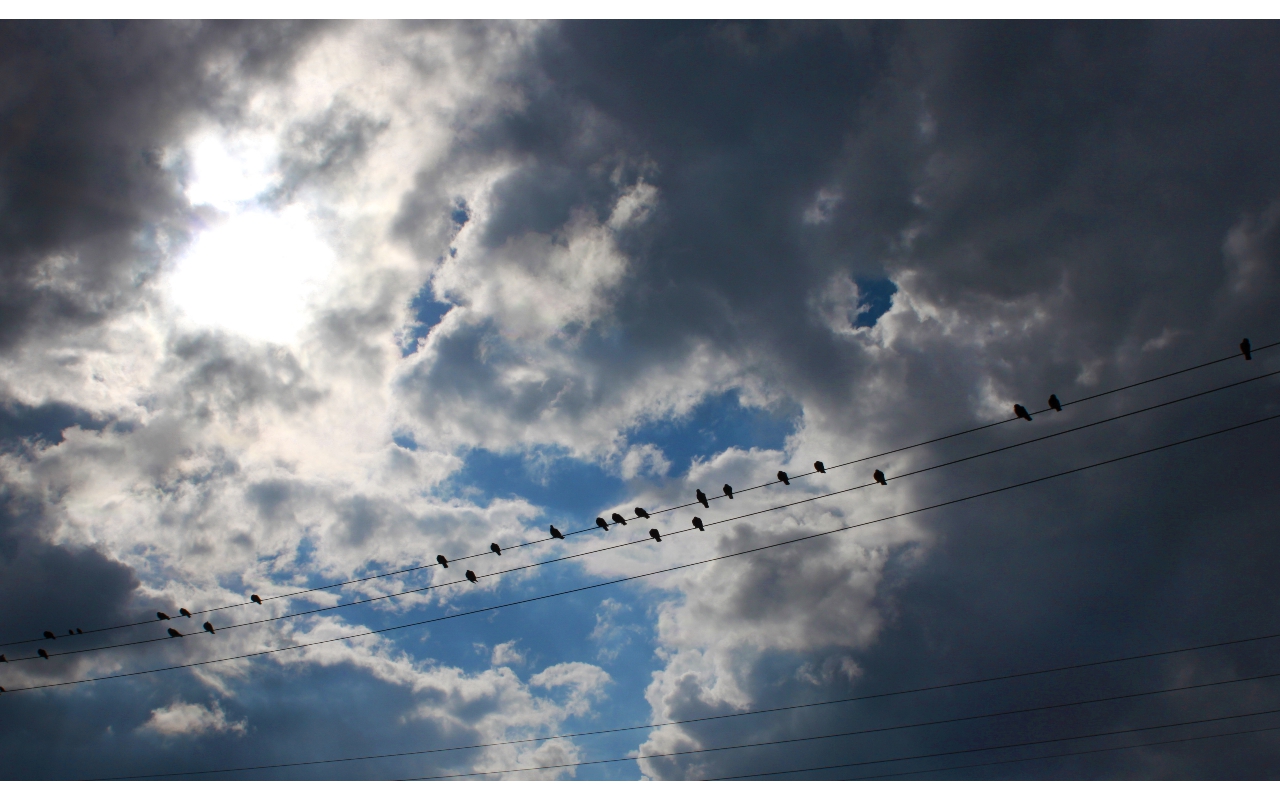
[{"x": 1018, "y": 409}]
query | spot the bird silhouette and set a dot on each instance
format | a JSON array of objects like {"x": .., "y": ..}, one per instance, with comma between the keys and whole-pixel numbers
[
  {"x": 702, "y": 498},
  {"x": 79, "y": 631},
  {"x": 1021, "y": 412},
  {"x": 494, "y": 547},
  {"x": 41, "y": 652},
  {"x": 728, "y": 491},
  {"x": 161, "y": 615},
  {"x": 697, "y": 523},
  {"x": 555, "y": 533},
  {"x": 442, "y": 561},
  {"x": 653, "y": 533},
  {"x": 184, "y": 613},
  {"x": 819, "y": 467},
  {"x": 600, "y": 523},
  {"x": 70, "y": 632},
  {"x": 208, "y": 626},
  {"x": 255, "y": 599},
  {"x": 618, "y": 518},
  {"x": 782, "y": 476},
  {"x": 49, "y": 635},
  {"x": 879, "y": 476},
  {"x": 640, "y": 512},
  {"x": 3, "y": 660},
  {"x": 471, "y": 576},
  {"x": 1, "y": 690},
  {"x": 1247, "y": 349},
  {"x": 1055, "y": 403},
  {"x": 174, "y": 634}
]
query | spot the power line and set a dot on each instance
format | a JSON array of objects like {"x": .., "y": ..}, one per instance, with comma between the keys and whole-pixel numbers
[
  {"x": 1066, "y": 755},
  {"x": 817, "y": 704},
  {"x": 665, "y": 510},
  {"x": 652, "y": 573},
  {"x": 864, "y": 731},
  {"x": 582, "y": 554}
]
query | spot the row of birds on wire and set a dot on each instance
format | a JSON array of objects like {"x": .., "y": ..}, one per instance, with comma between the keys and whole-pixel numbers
[{"x": 701, "y": 497}]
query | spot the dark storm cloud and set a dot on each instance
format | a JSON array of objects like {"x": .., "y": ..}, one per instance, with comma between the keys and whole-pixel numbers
[
  {"x": 1085, "y": 197},
  {"x": 87, "y": 109}
]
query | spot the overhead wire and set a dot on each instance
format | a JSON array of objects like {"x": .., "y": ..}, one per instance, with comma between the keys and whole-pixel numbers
[
  {"x": 1055, "y": 740},
  {"x": 415, "y": 568},
  {"x": 753, "y": 712},
  {"x": 861, "y": 732},
  {"x": 573, "y": 556},
  {"x": 737, "y": 714},
  {"x": 652, "y": 573},
  {"x": 1066, "y": 755}
]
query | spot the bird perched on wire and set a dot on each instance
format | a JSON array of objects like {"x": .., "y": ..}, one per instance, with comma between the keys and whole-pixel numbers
[
  {"x": 618, "y": 518},
  {"x": 819, "y": 467},
  {"x": 494, "y": 547},
  {"x": 79, "y": 631},
  {"x": 161, "y": 615},
  {"x": 70, "y": 632},
  {"x": 471, "y": 576},
  {"x": 600, "y": 523},
  {"x": 208, "y": 626},
  {"x": 702, "y": 498},
  {"x": 728, "y": 491},
  {"x": 640, "y": 512},
  {"x": 1247, "y": 349},
  {"x": 697, "y": 523},
  {"x": 555, "y": 533},
  {"x": 782, "y": 476},
  {"x": 184, "y": 613},
  {"x": 3, "y": 660},
  {"x": 49, "y": 635},
  {"x": 1021, "y": 412},
  {"x": 1055, "y": 403},
  {"x": 879, "y": 476},
  {"x": 41, "y": 652},
  {"x": 174, "y": 634},
  {"x": 442, "y": 561},
  {"x": 255, "y": 599},
  {"x": 653, "y": 533}
]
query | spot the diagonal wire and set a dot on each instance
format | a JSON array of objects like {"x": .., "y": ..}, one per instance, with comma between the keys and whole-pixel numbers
[
  {"x": 652, "y": 573},
  {"x": 573, "y": 556},
  {"x": 673, "y": 508}
]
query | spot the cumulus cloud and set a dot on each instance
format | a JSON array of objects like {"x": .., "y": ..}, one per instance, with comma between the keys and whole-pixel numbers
[{"x": 189, "y": 719}]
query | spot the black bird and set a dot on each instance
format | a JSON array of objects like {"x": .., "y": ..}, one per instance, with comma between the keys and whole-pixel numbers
[
  {"x": 601, "y": 523},
  {"x": 653, "y": 532},
  {"x": 1021, "y": 412},
  {"x": 618, "y": 518},
  {"x": 79, "y": 631},
  {"x": 42, "y": 654},
  {"x": 1, "y": 690},
  {"x": 879, "y": 476},
  {"x": 1247, "y": 349},
  {"x": 3, "y": 660},
  {"x": 819, "y": 467},
  {"x": 494, "y": 547},
  {"x": 49, "y": 635},
  {"x": 255, "y": 599},
  {"x": 184, "y": 613},
  {"x": 70, "y": 632},
  {"x": 702, "y": 498},
  {"x": 782, "y": 476},
  {"x": 555, "y": 533},
  {"x": 471, "y": 576},
  {"x": 1054, "y": 403},
  {"x": 174, "y": 634},
  {"x": 640, "y": 512},
  {"x": 442, "y": 561},
  {"x": 208, "y": 626},
  {"x": 728, "y": 491},
  {"x": 161, "y": 615},
  {"x": 697, "y": 523}
]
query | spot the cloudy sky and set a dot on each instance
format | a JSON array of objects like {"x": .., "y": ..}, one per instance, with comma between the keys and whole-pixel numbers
[{"x": 288, "y": 305}]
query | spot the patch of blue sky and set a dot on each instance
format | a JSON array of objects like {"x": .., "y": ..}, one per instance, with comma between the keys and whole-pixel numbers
[
  {"x": 716, "y": 424},
  {"x": 427, "y": 313},
  {"x": 875, "y": 296}
]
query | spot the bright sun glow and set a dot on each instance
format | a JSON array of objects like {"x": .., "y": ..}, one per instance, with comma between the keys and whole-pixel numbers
[{"x": 256, "y": 272}]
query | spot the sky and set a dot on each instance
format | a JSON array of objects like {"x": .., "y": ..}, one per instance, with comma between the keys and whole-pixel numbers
[{"x": 290, "y": 305}]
